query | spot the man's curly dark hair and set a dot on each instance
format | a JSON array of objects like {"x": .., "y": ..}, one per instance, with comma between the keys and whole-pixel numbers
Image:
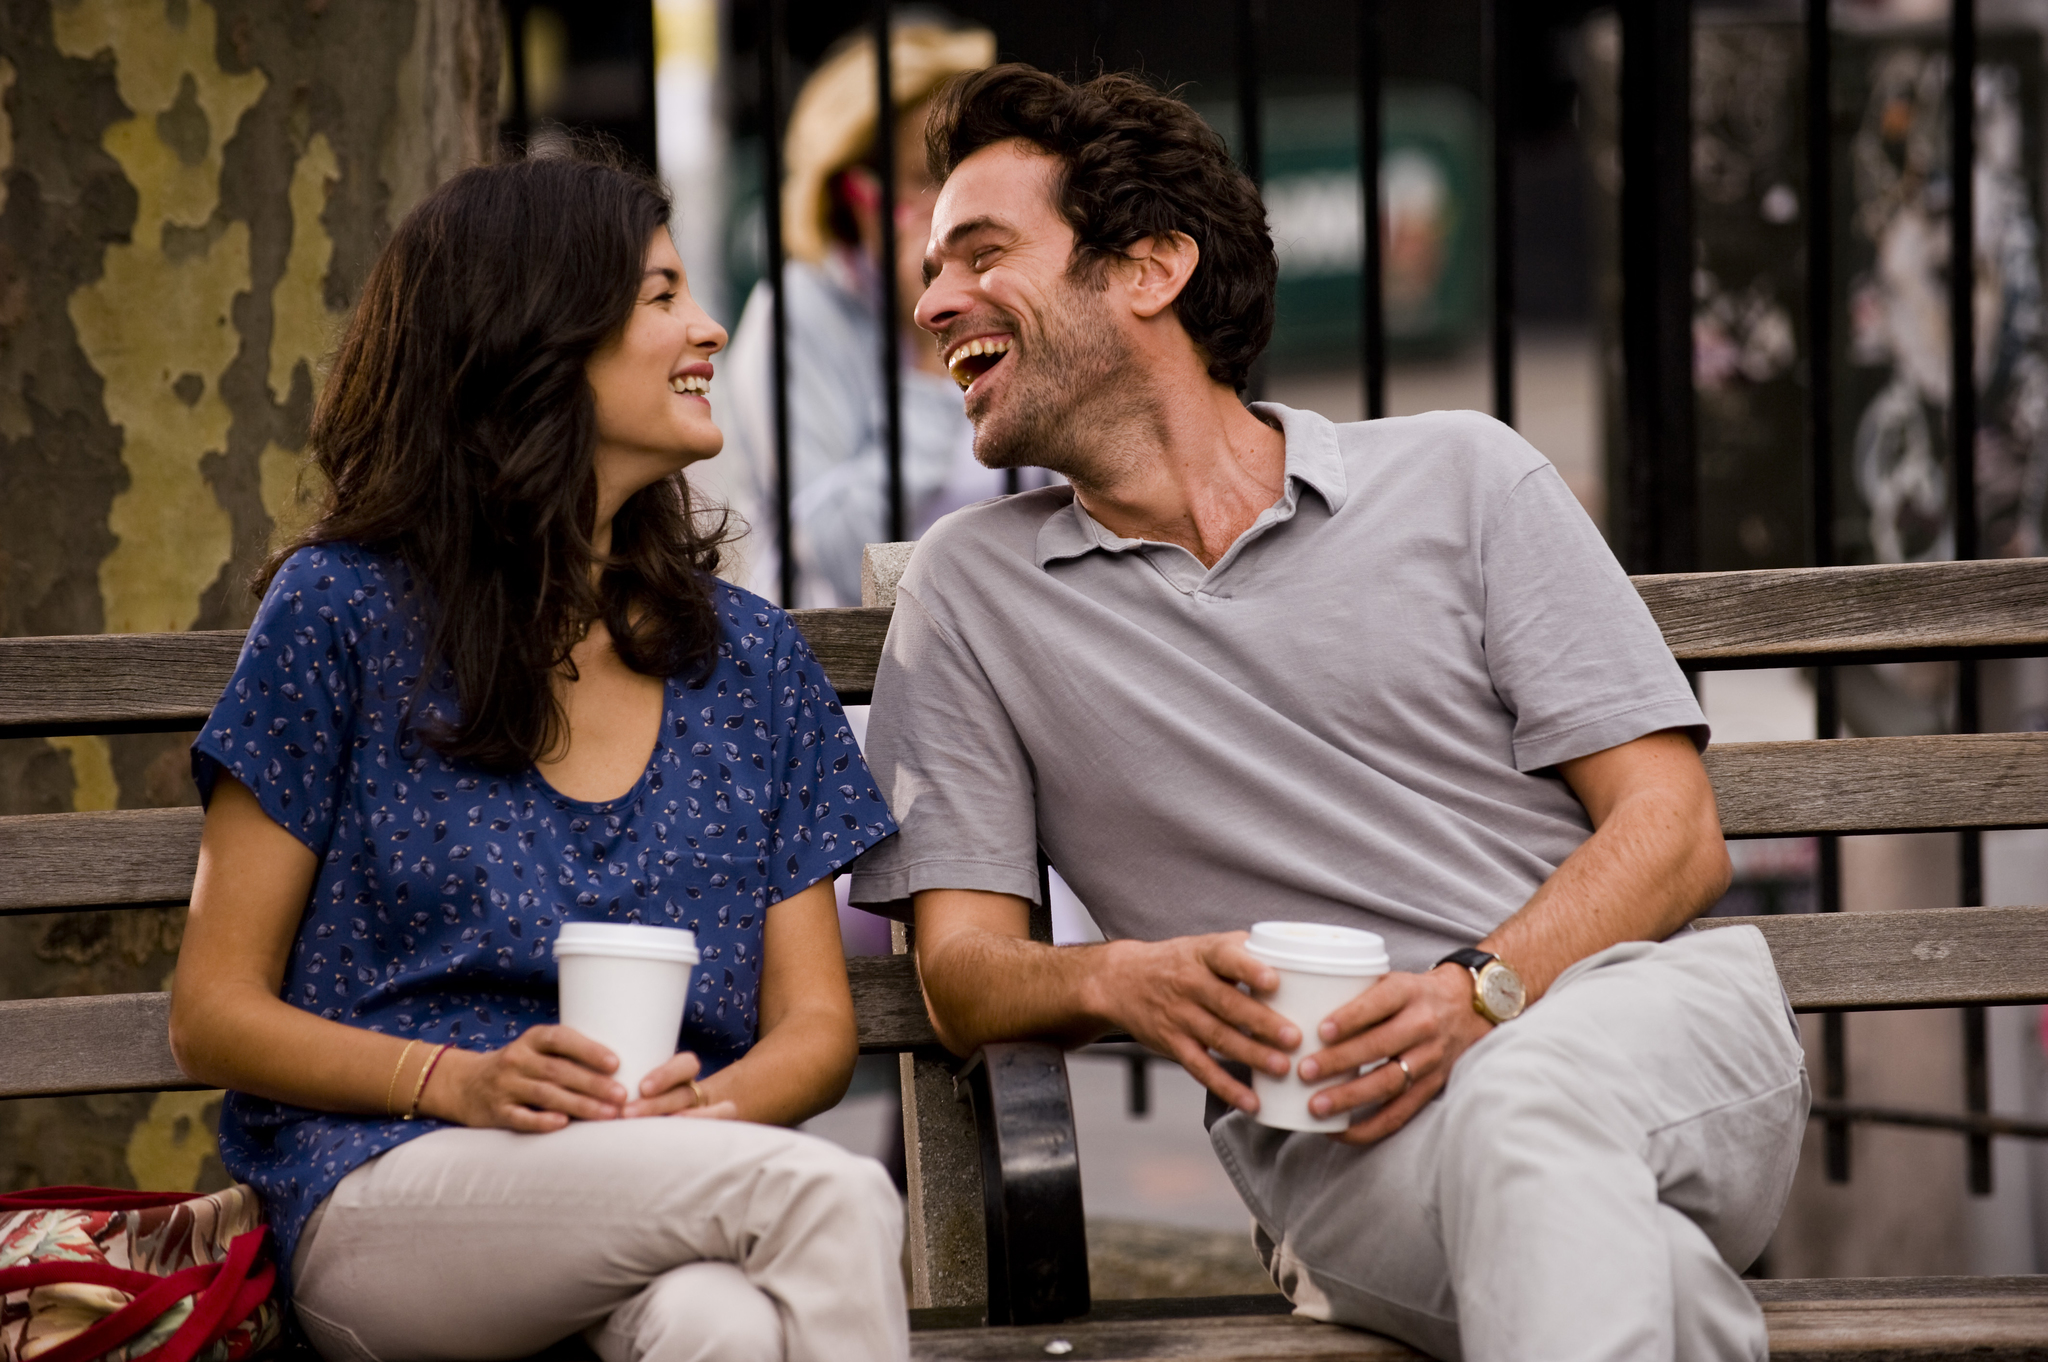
[{"x": 1139, "y": 163}]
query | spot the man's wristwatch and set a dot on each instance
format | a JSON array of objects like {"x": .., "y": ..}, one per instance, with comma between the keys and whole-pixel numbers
[{"x": 1497, "y": 992}]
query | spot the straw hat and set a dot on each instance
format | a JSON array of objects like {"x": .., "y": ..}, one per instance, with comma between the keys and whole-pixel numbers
[{"x": 833, "y": 125}]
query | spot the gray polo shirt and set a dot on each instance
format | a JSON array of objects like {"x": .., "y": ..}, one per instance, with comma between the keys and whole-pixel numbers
[{"x": 1353, "y": 717}]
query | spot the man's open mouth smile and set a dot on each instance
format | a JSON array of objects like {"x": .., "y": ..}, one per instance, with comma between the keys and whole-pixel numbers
[{"x": 971, "y": 359}]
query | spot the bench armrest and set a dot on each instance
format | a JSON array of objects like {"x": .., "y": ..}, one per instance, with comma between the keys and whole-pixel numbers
[{"x": 1030, "y": 1181}]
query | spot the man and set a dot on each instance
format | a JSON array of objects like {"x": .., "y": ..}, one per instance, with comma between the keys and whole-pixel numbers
[{"x": 1253, "y": 666}]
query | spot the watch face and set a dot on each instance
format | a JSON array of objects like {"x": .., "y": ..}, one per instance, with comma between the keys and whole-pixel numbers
[{"x": 1500, "y": 989}]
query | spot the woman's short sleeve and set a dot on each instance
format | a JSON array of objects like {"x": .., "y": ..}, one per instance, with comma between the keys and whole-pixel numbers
[
  {"x": 828, "y": 810},
  {"x": 284, "y": 724}
]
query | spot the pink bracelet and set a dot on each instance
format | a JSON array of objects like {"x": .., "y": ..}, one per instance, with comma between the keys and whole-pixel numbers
[{"x": 425, "y": 1073}]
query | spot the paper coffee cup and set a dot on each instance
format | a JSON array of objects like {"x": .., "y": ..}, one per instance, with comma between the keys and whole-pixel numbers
[
  {"x": 1321, "y": 968},
  {"x": 624, "y": 986}
]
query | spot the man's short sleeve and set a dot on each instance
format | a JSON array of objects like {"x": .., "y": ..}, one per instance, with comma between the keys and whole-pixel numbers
[
  {"x": 950, "y": 765},
  {"x": 1573, "y": 651}
]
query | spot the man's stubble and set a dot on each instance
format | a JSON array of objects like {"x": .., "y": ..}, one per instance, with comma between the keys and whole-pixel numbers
[{"x": 1075, "y": 387}]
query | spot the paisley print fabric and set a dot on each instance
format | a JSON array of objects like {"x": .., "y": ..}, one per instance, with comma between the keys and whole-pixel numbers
[
  {"x": 151, "y": 1241},
  {"x": 440, "y": 887}
]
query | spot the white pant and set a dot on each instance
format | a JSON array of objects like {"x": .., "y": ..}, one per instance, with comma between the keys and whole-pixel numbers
[
  {"x": 1585, "y": 1189},
  {"x": 662, "y": 1240}
]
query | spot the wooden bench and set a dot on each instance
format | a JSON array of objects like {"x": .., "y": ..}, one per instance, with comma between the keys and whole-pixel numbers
[{"x": 995, "y": 1209}]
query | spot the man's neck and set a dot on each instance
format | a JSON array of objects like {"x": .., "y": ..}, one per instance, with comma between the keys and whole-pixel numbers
[{"x": 1190, "y": 466}]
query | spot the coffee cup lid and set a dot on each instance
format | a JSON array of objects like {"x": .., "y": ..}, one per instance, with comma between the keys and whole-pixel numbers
[
  {"x": 1318, "y": 948},
  {"x": 629, "y": 940}
]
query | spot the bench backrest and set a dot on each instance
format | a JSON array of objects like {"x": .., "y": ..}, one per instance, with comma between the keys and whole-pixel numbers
[
  {"x": 1937, "y": 957},
  {"x": 169, "y": 682}
]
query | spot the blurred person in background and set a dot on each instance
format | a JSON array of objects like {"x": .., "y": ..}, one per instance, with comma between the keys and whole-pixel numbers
[{"x": 832, "y": 230}]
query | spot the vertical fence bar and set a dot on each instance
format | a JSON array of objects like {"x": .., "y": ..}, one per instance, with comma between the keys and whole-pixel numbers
[
  {"x": 1820, "y": 293},
  {"x": 1372, "y": 320},
  {"x": 772, "y": 41},
  {"x": 892, "y": 340},
  {"x": 1962, "y": 40},
  {"x": 1250, "y": 126},
  {"x": 1820, "y": 451},
  {"x": 1961, "y": 277},
  {"x": 1500, "y": 108},
  {"x": 522, "y": 114},
  {"x": 1656, "y": 284},
  {"x": 1251, "y": 132}
]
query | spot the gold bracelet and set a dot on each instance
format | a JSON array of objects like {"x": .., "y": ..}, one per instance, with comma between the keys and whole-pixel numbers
[
  {"x": 426, "y": 1072},
  {"x": 392, "y": 1086}
]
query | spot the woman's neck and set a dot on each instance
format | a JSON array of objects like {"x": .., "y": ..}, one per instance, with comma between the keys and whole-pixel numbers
[{"x": 600, "y": 549}]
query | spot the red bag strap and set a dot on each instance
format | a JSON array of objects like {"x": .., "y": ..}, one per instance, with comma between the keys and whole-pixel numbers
[
  {"x": 89, "y": 1199},
  {"x": 109, "y": 1333},
  {"x": 90, "y": 1271},
  {"x": 238, "y": 1288},
  {"x": 227, "y": 1292}
]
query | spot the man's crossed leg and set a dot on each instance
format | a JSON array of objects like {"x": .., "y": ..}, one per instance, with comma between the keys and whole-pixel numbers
[{"x": 1587, "y": 1187}]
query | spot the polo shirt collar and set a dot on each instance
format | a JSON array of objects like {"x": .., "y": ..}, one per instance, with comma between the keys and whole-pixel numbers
[{"x": 1313, "y": 460}]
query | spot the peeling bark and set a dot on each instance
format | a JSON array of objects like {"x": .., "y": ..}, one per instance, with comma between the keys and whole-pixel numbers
[{"x": 191, "y": 193}]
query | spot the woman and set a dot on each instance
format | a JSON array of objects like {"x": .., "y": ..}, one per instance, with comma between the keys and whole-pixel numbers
[{"x": 496, "y": 688}]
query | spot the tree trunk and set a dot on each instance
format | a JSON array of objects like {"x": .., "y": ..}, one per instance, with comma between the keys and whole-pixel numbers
[{"x": 190, "y": 196}]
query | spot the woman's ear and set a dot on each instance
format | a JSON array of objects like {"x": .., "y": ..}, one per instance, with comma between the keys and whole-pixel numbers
[{"x": 1161, "y": 267}]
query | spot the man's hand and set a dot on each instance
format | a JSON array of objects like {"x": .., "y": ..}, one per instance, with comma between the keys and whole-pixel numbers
[
  {"x": 986, "y": 980},
  {"x": 1179, "y": 997},
  {"x": 1424, "y": 1020}
]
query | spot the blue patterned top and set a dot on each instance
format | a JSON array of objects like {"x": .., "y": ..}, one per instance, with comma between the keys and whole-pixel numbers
[{"x": 440, "y": 886}]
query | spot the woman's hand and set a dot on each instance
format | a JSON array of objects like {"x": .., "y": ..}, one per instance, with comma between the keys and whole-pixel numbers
[
  {"x": 539, "y": 1081},
  {"x": 672, "y": 1090}
]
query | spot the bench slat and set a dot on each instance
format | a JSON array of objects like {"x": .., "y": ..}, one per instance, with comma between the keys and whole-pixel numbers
[
  {"x": 1775, "y": 618},
  {"x": 1864, "y": 785},
  {"x": 849, "y": 642},
  {"x": 1888, "y": 1319},
  {"x": 125, "y": 858},
  {"x": 1253, "y": 1338},
  {"x": 1930, "y": 957},
  {"x": 1788, "y": 617},
  {"x": 141, "y": 857},
  {"x": 116, "y": 1042},
  {"x": 1940, "y": 957},
  {"x": 888, "y": 1004},
  {"x": 120, "y": 1042},
  {"x": 113, "y": 683},
  {"x": 167, "y": 683}
]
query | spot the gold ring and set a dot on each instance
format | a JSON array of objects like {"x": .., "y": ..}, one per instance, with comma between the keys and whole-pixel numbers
[
  {"x": 1407, "y": 1075},
  {"x": 696, "y": 1092}
]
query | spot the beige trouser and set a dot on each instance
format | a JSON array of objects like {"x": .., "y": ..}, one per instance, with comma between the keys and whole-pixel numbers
[
  {"x": 1586, "y": 1189},
  {"x": 660, "y": 1240}
]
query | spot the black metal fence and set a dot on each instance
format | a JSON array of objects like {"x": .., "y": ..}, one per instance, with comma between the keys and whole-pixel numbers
[{"x": 1660, "y": 530}]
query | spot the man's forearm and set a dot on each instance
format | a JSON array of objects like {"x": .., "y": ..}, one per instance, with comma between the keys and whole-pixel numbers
[
  {"x": 1045, "y": 990},
  {"x": 986, "y": 980},
  {"x": 1656, "y": 862}
]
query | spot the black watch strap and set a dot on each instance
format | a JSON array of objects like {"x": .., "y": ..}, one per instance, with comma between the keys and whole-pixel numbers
[{"x": 1471, "y": 957}]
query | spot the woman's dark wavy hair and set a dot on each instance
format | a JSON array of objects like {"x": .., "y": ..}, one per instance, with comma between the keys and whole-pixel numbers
[
  {"x": 1139, "y": 163},
  {"x": 456, "y": 432}
]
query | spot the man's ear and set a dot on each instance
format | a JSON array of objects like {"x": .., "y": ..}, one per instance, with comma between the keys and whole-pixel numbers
[{"x": 1160, "y": 268}]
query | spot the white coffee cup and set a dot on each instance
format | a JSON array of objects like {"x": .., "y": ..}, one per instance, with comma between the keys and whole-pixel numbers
[
  {"x": 1321, "y": 968},
  {"x": 624, "y": 986}
]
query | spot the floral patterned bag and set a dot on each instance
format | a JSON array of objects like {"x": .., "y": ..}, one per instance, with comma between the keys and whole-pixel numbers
[{"x": 91, "y": 1272}]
